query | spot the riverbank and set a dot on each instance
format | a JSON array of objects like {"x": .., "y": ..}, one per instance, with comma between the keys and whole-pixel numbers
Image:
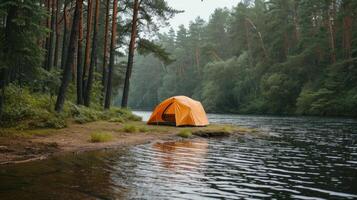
[{"x": 37, "y": 144}]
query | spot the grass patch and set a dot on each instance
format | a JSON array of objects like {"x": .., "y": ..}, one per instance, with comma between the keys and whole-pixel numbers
[
  {"x": 101, "y": 137},
  {"x": 117, "y": 119},
  {"x": 133, "y": 128},
  {"x": 129, "y": 128},
  {"x": 185, "y": 133}
]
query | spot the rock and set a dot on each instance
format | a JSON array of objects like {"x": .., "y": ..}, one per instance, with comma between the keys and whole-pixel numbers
[
  {"x": 5, "y": 149},
  {"x": 212, "y": 133}
]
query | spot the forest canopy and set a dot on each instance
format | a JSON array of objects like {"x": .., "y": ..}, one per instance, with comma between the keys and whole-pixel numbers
[{"x": 260, "y": 57}]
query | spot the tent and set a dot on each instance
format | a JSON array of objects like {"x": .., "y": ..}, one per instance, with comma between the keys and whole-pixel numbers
[{"x": 179, "y": 111}]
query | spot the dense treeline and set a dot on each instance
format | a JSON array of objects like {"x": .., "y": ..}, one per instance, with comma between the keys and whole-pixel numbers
[
  {"x": 57, "y": 53},
  {"x": 265, "y": 57}
]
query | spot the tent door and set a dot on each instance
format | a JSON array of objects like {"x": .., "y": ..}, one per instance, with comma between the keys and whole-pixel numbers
[{"x": 169, "y": 115}]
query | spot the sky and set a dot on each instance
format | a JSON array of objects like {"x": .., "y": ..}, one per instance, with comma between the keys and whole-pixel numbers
[{"x": 194, "y": 8}]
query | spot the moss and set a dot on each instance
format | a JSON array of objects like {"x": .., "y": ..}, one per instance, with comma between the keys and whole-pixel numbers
[
  {"x": 101, "y": 137},
  {"x": 185, "y": 133}
]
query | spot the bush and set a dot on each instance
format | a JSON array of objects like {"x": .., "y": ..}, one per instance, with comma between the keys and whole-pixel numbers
[
  {"x": 101, "y": 137},
  {"x": 55, "y": 121},
  {"x": 185, "y": 133},
  {"x": 26, "y": 109}
]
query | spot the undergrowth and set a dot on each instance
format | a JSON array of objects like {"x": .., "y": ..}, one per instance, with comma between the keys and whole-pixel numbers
[
  {"x": 30, "y": 110},
  {"x": 101, "y": 137}
]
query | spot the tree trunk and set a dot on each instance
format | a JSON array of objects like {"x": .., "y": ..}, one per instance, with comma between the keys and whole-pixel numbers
[
  {"x": 108, "y": 94},
  {"x": 87, "y": 50},
  {"x": 260, "y": 37},
  {"x": 52, "y": 35},
  {"x": 129, "y": 67},
  {"x": 347, "y": 29},
  {"x": 93, "y": 60},
  {"x": 2, "y": 90},
  {"x": 55, "y": 61},
  {"x": 330, "y": 21},
  {"x": 70, "y": 58},
  {"x": 80, "y": 60},
  {"x": 5, "y": 70},
  {"x": 65, "y": 30},
  {"x": 105, "y": 56},
  {"x": 48, "y": 25}
]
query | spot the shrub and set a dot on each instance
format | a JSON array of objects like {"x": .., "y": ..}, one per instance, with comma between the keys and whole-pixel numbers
[
  {"x": 185, "y": 133},
  {"x": 101, "y": 137},
  {"x": 27, "y": 109},
  {"x": 54, "y": 121}
]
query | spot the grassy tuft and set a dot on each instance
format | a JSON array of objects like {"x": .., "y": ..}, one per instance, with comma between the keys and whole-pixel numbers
[
  {"x": 117, "y": 119},
  {"x": 129, "y": 128},
  {"x": 101, "y": 137},
  {"x": 143, "y": 129},
  {"x": 185, "y": 133}
]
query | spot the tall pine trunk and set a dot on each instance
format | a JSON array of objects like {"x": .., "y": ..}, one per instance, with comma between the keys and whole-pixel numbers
[
  {"x": 88, "y": 43},
  {"x": 108, "y": 94},
  {"x": 49, "y": 62},
  {"x": 65, "y": 30},
  {"x": 105, "y": 49},
  {"x": 347, "y": 29},
  {"x": 93, "y": 60},
  {"x": 331, "y": 13},
  {"x": 130, "y": 63},
  {"x": 2, "y": 90},
  {"x": 5, "y": 71},
  {"x": 66, "y": 76},
  {"x": 48, "y": 26},
  {"x": 55, "y": 60},
  {"x": 80, "y": 60}
]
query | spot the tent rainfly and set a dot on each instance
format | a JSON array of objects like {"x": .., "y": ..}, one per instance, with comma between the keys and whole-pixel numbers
[{"x": 179, "y": 111}]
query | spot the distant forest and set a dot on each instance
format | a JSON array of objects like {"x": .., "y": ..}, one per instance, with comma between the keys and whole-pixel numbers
[{"x": 260, "y": 57}]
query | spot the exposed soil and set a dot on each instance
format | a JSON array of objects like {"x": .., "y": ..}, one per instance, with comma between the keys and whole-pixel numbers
[
  {"x": 28, "y": 145},
  {"x": 75, "y": 138}
]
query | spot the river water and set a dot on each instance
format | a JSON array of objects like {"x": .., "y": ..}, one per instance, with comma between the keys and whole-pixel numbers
[{"x": 303, "y": 158}]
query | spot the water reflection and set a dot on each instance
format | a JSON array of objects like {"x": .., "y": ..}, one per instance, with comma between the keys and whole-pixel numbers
[
  {"x": 313, "y": 158},
  {"x": 188, "y": 155}
]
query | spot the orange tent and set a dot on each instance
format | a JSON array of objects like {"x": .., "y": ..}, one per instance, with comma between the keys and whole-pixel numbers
[{"x": 179, "y": 111}]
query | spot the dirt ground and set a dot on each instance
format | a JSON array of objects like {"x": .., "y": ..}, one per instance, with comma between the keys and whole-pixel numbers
[
  {"x": 18, "y": 146},
  {"x": 40, "y": 144}
]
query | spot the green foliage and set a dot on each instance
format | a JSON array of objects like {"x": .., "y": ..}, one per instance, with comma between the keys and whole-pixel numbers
[
  {"x": 266, "y": 57},
  {"x": 101, "y": 137},
  {"x": 185, "y": 133},
  {"x": 129, "y": 128},
  {"x": 26, "y": 109},
  {"x": 132, "y": 128}
]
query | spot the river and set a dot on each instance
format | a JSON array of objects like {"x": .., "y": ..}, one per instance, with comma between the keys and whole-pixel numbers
[{"x": 303, "y": 158}]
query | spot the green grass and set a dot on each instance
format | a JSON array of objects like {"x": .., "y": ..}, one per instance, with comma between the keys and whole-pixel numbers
[
  {"x": 117, "y": 119},
  {"x": 101, "y": 137},
  {"x": 135, "y": 128},
  {"x": 130, "y": 128},
  {"x": 185, "y": 133}
]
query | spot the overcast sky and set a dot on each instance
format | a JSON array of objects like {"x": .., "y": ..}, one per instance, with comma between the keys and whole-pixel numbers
[{"x": 194, "y": 8}]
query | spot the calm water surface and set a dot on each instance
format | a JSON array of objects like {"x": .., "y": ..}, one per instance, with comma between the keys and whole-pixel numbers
[{"x": 304, "y": 158}]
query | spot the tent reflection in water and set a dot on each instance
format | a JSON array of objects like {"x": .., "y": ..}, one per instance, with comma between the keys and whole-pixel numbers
[{"x": 179, "y": 111}]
